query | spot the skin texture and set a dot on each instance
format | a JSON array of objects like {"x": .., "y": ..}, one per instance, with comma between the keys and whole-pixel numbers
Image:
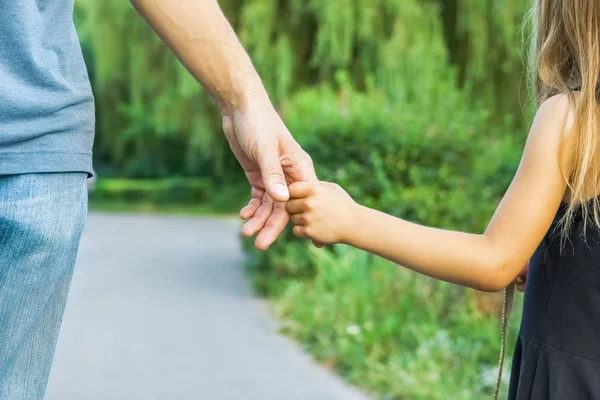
[
  {"x": 203, "y": 40},
  {"x": 490, "y": 261}
]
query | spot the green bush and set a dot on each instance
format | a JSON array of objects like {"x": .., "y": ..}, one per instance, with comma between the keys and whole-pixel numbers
[
  {"x": 401, "y": 335},
  {"x": 429, "y": 167},
  {"x": 200, "y": 195},
  {"x": 174, "y": 190}
]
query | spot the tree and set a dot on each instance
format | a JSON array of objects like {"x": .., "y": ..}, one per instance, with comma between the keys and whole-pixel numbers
[{"x": 150, "y": 111}]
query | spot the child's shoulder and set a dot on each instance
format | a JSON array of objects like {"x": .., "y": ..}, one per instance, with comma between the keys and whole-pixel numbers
[
  {"x": 557, "y": 106},
  {"x": 552, "y": 116},
  {"x": 550, "y": 134}
]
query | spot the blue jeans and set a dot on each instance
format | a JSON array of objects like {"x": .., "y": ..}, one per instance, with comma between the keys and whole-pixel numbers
[{"x": 41, "y": 220}]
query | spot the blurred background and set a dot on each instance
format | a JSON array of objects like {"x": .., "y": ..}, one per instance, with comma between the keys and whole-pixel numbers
[{"x": 419, "y": 108}]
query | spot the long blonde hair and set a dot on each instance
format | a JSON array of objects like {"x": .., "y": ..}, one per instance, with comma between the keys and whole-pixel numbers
[{"x": 565, "y": 59}]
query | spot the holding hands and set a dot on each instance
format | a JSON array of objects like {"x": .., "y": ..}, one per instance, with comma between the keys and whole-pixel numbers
[{"x": 322, "y": 212}]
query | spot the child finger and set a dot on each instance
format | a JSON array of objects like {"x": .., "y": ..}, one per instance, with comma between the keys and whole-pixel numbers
[
  {"x": 299, "y": 190},
  {"x": 300, "y": 232},
  {"x": 295, "y": 206},
  {"x": 298, "y": 219}
]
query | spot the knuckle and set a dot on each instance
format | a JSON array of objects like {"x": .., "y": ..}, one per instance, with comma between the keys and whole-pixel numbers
[{"x": 273, "y": 170}]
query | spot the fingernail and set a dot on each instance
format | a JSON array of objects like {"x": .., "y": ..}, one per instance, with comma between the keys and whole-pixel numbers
[{"x": 281, "y": 190}]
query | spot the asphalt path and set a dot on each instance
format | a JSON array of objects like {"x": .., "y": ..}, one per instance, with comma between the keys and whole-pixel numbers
[{"x": 160, "y": 309}]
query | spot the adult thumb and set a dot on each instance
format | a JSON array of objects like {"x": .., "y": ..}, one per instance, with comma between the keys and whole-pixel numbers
[{"x": 272, "y": 173}]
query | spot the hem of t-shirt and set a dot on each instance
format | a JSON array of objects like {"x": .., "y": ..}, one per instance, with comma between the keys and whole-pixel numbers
[{"x": 44, "y": 162}]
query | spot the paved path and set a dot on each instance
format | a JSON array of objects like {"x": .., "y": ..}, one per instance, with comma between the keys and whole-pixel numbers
[{"x": 160, "y": 310}]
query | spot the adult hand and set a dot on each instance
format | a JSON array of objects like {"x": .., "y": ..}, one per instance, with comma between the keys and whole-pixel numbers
[
  {"x": 203, "y": 40},
  {"x": 271, "y": 159},
  {"x": 521, "y": 279}
]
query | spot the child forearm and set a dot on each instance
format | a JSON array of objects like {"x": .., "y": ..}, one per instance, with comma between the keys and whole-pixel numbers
[
  {"x": 464, "y": 259},
  {"x": 325, "y": 213}
]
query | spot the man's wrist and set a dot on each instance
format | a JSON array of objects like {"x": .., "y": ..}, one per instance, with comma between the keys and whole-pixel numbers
[{"x": 246, "y": 96}]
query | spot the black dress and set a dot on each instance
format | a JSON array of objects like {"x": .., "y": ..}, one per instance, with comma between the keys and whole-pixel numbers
[{"x": 557, "y": 355}]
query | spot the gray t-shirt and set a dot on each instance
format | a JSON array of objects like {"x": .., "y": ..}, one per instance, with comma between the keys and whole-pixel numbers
[{"x": 46, "y": 102}]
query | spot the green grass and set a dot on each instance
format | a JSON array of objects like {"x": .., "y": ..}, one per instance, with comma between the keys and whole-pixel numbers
[{"x": 394, "y": 333}]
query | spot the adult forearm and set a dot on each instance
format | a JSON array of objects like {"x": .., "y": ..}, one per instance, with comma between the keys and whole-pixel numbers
[
  {"x": 205, "y": 43},
  {"x": 465, "y": 259}
]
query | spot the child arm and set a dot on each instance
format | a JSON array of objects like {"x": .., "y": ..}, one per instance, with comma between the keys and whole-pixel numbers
[{"x": 489, "y": 261}]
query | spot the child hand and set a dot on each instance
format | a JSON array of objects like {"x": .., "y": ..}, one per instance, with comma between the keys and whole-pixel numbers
[{"x": 322, "y": 212}]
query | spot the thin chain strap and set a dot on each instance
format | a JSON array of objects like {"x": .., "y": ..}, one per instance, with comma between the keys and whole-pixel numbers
[{"x": 507, "y": 299}]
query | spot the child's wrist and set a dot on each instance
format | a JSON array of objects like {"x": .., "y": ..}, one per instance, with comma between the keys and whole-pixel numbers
[{"x": 355, "y": 218}]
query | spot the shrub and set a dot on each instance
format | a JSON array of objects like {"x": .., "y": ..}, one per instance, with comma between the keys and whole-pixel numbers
[
  {"x": 174, "y": 190},
  {"x": 176, "y": 194}
]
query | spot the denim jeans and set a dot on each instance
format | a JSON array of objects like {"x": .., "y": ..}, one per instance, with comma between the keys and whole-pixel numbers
[{"x": 41, "y": 220}]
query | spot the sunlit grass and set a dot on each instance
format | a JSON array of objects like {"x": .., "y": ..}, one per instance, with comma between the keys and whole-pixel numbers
[{"x": 392, "y": 332}]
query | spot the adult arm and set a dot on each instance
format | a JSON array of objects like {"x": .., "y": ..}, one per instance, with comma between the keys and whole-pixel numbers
[{"x": 204, "y": 41}]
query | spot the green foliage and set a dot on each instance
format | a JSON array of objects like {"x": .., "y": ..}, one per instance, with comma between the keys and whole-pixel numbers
[
  {"x": 487, "y": 41},
  {"x": 174, "y": 190},
  {"x": 391, "y": 331},
  {"x": 154, "y": 120},
  {"x": 195, "y": 194},
  {"x": 370, "y": 42},
  {"x": 403, "y": 160}
]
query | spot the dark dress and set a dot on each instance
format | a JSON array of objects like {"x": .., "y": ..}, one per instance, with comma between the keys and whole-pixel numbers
[{"x": 557, "y": 355}]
